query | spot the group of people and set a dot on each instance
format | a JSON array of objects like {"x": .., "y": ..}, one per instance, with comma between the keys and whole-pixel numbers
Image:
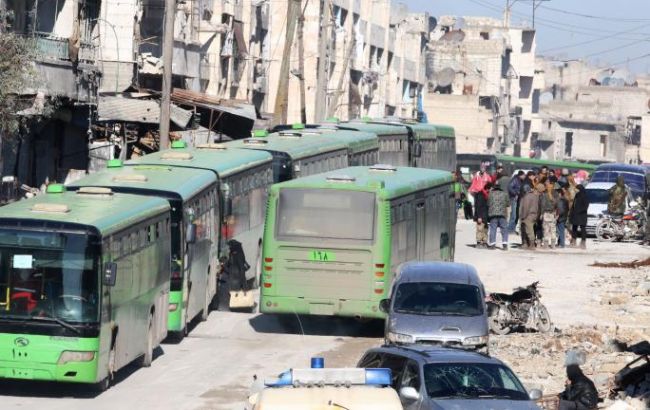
[{"x": 544, "y": 202}]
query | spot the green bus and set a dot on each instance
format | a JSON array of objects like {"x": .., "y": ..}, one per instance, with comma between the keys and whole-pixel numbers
[
  {"x": 244, "y": 176},
  {"x": 84, "y": 284},
  {"x": 332, "y": 241},
  {"x": 297, "y": 156},
  {"x": 469, "y": 164},
  {"x": 363, "y": 147},
  {"x": 193, "y": 196}
]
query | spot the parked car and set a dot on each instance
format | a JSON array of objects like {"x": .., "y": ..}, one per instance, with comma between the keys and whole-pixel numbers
[
  {"x": 598, "y": 194},
  {"x": 437, "y": 303},
  {"x": 430, "y": 377},
  {"x": 634, "y": 176}
]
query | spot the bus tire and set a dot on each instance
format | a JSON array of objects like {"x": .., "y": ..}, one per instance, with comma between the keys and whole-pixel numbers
[{"x": 147, "y": 357}]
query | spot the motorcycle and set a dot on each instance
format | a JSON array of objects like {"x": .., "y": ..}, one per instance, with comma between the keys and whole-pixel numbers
[
  {"x": 507, "y": 312},
  {"x": 629, "y": 226}
]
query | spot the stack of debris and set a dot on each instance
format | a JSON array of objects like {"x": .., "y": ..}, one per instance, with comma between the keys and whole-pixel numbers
[{"x": 632, "y": 383}]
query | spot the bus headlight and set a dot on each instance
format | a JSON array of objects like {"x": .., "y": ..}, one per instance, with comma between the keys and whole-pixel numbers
[
  {"x": 399, "y": 338},
  {"x": 70, "y": 356},
  {"x": 475, "y": 341}
]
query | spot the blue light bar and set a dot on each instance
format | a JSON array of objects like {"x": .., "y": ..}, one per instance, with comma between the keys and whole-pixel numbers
[{"x": 380, "y": 377}]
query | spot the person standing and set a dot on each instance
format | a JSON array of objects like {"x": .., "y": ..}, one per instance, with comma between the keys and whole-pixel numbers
[
  {"x": 498, "y": 203},
  {"x": 481, "y": 216},
  {"x": 562, "y": 215},
  {"x": 514, "y": 189},
  {"x": 646, "y": 239},
  {"x": 548, "y": 208},
  {"x": 578, "y": 217},
  {"x": 528, "y": 214},
  {"x": 617, "y": 196}
]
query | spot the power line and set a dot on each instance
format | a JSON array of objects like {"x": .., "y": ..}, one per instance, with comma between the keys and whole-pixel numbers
[
  {"x": 589, "y": 16},
  {"x": 590, "y": 41}
]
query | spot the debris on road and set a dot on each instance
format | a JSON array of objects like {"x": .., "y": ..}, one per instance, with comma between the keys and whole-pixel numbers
[{"x": 630, "y": 265}]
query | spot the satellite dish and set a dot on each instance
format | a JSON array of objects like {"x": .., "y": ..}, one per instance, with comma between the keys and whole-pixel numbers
[
  {"x": 627, "y": 77},
  {"x": 546, "y": 98},
  {"x": 460, "y": 24},
  {"x": 433, "y": 23},
  {"x": 601, "y": 76},
  {"x": 445, "y": 77}
]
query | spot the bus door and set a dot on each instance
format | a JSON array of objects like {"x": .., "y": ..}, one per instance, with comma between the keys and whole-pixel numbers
[{"x": 420, "y": 228}]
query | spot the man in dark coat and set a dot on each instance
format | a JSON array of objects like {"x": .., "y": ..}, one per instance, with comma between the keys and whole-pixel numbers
[
  {"x": 578, "y": 216},
  {"x": 580, "y": 392},
  {"x": 481, "y": 216},
  {"x": 233, "y": 274}
]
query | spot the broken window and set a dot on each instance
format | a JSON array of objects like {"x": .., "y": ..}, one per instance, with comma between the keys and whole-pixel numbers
[
  {"x": 485, "y": 35},
  {"x": 568, "y": 144},
  {"x": 603, "y": 146}
]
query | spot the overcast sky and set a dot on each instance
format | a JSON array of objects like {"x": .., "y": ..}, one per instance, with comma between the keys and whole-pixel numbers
[{"x": 615, "y": 32}]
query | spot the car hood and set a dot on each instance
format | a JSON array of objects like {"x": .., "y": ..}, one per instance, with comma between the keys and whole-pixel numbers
[
  {"x": 442, "y": 328},
  {"x": 488, "y": 404}
]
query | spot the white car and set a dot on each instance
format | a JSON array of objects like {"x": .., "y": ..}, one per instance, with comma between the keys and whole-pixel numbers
[{"x": 598, "y": 194}]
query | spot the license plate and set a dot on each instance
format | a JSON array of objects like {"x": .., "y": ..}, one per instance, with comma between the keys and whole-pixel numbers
[
  {"x": 21, "y": 373},
  {"x": 321, "y": 309},
  {"x": 321, "y": 256}
]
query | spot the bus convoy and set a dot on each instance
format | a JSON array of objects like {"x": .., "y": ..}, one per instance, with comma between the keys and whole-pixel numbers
[{"x": 98, "y": 273}]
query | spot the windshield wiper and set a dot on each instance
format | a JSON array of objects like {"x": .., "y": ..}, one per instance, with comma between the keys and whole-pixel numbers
[
  {"x": 331, "y": 403},
  {"x": 59, "y": 321}
]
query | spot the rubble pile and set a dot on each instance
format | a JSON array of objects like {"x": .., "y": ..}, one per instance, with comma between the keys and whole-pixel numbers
[{"x": 539, "y": 359}]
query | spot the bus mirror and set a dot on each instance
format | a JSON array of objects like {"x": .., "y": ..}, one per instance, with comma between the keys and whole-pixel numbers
[
  {"x": 190, "y": 233},
  {"x": 417, "y": 150},
  {"x": 384, "y": 305},
  {"x": 110, "y": 273}
]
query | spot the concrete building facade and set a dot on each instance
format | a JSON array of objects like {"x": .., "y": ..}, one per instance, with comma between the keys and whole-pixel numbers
[{"x": 481, "y": 80}]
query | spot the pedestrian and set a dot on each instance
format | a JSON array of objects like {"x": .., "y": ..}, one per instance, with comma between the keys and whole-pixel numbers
[
  {"x": 617, "y": 196},
  {"x": 458, "y": 188},
  {"x": 514, "y": 189},
  {"x": 548, "y": 208},
  {"x": 539, "y": 230},
  {"x": 481, "y": 216},
  {"x": 467, "y": 206},
  {"x": 562, "y": 216},
  {"x": 479, "y": 180},
  {"x": 543, "y": 175},
  {"x": 501, "y": 178},
  {"x": 498, "y": 203},
  {"x": 580, "y": 392},
  {"x": 528, "y": 214},
  {"x": 564, "y": 177},
  {"x": 578, "y": 217}
]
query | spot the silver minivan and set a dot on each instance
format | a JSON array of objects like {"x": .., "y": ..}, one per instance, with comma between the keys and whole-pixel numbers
[{"x": 440, "y": 303}]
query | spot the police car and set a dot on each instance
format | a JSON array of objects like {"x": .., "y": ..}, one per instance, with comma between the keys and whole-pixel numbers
[{"x": 320, "y": 388}]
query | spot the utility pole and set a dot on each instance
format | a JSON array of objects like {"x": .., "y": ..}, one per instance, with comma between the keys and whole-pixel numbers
[
  {"x": 167, "y": 54},
  {"x": 282, "y": 95},
  {"x": 301, "y": 64},
  {"x": 510, "y": 3},
  {"x": 323, "y": 63},
  {"x": 334, "y": 104}
]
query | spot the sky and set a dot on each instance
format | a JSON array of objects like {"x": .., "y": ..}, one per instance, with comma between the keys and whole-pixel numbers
[{"x": 604, "y": 32}]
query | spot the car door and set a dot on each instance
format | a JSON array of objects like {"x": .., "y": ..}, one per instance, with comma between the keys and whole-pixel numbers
[{"x": 411, "y": 378}]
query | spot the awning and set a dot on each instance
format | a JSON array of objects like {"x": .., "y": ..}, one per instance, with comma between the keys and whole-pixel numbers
[
  {"x": 113, "y": 109},
  {"x": 231, "y": 117}
]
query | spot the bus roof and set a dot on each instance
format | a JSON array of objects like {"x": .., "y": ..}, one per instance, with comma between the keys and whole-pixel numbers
[
  {"x": 106, "y": 212},
  {"x": 541, "y": 162},
  {"x": 446, "y": 131},
  {"x": 181, "y": 182},
  {"x": 389, "y": 182},
  {"x": 297, "y": 147},
  {"x": 356, "y": 141},
  {"x": 222, "y": 160},
  {"x": 377, "y": 128}
]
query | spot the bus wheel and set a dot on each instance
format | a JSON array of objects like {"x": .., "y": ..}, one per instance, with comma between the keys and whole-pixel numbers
[{"x": 147, "y": 357}]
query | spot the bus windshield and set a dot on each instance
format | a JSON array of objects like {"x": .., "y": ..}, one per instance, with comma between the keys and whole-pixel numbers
[
  {"x": 48, "y": 275},
  {"x": 326, "y": 214}
]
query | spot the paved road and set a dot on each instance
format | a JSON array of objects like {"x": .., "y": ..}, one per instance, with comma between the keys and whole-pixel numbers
[{"x": 213, "y": 367}]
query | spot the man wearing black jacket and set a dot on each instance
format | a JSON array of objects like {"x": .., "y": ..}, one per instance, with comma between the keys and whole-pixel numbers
[{"x": 580, "y": 392}]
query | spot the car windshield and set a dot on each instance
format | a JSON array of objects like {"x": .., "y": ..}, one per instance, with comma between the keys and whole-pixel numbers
[
  {"x": 635, "y": 181},
  {"x": 326, "y": 214},
  {"x": 47, "y": 275},
  {"x": 597, "y": 196},
  {"x": 432, "y": 298},
  {"x": 472, "y": 381}
]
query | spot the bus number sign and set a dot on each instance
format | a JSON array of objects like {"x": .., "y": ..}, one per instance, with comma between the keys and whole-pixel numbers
[{"x": 321, "y": 256}]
